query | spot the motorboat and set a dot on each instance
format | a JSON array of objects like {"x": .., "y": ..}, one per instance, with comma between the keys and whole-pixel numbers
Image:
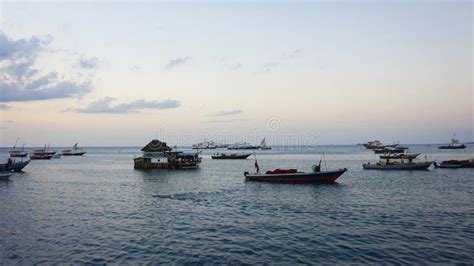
[
  {"x": 373, "y": 144},
  {"x": 406, "y": 156},
  {"x": 455, "y": 144},
  {"x": 15, "y": 165},
  {"x": 388, "y": 165},
  {"x": 296, "y": 177},
  {"x": 453, "y": 164},
  {"x": 206, "y": 145},
  {"x": 234, "y": 156},
  {"x": 74, "y": 152}
]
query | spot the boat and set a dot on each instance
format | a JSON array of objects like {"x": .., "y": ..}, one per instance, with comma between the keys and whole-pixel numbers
[
  {"x": 206, "y": 145},
  {"x": 453, "y": 164},
  {"x": 4, "y": 175},
  {"x": 406, "y": 156},
  {"x": 373, "y": 144},
  {"x": 14, "y": 165},
  {"x": 264, "y": 146},
  {"x": 18, "y": 153},
  {"x": 455, "y": 144},
  {"x": 45, "y": 152},
  {"x": 74, "y": 152},
  {"x": 293, "y": 176},
  {"x": 234, "y": 156},
  {"x": 388, "y": 165},
  {"x": 158, "y": 155},
  {"x": 243, "y": 146}
]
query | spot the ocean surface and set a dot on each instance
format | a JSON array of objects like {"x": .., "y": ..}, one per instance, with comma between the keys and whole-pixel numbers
[{"x": 97, "y": 209}]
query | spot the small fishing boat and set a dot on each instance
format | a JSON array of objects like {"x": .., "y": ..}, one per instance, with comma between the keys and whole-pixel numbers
[
  {"x": 206, "y": 145},
  {"x": 234, "y": 156},
  {"x": 45, "y": 151},
  {"x": 18, "y": 153},
  {"x": 453, "y": 164},
  {"x": 5, "y": 175},
  {"x": 74, "y": 152},
  {"x": 293, "y": 176},
  {"x": 264, "y": 146},
  {"x": 455, "y": 144},
  {"x": 397, "y": 165}
]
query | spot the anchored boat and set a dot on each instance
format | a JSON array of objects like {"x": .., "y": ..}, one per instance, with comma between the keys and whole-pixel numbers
[
  {"x": 74, "y": 152},
  {"x": 453, "y": 164},
  {"x": 455, "y": 144},
  {"x": 264, "y": 146},
  {"x": 234, "y": 156},
  {"x": 13, "y": 165}
]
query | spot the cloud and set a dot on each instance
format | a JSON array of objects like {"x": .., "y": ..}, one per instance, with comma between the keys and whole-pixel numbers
[
  {"x": 4, "y": 107},
  {"x": 270, "y": 66},
  {"x": 173, "y": 63},
  {"x": 227, "y": 113},
  {"x": 102, "y": 106},
  {"x": 21, "y": 81},
  {"x": 88, "y": 63}
]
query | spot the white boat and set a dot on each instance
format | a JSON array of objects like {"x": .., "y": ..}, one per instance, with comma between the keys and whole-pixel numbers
[
  {"x": 243, "y": 146},
  {"x": 455, "y": 144},
  {"x": 205, "y": 145},
  {"x": 264, "y": 146},
  {"x": 74, "y": 152}
]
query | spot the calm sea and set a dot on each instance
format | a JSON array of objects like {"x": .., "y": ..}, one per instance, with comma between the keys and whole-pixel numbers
[{"x": 97, "y": 209}]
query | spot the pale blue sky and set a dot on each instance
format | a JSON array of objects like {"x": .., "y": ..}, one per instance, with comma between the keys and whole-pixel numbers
[{"x": 329, "y": 72}]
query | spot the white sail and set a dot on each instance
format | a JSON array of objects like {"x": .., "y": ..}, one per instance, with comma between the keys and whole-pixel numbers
[{"x": 263, "y": 144}]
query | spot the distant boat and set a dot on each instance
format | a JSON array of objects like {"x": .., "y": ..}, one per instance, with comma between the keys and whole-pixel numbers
[
  {"x": 43, "y": 152},
  {"x": 263, "y": 145},
  {"x": 206, "y": 145},
  {"x": 35, "y": 156},
  {"x": 455, "y": 144},
  {"x": 373, "y": 145},
  {"x": 18, "y": 153},
  {"x": 74, "y": 152},
  {"x": 5, "y": 175},
  {"x": 390, "y": 150},
  {"x": 243, "y": 146},
  {"x": 223, "y": 156},
  {"x": 397, "y": 166}
]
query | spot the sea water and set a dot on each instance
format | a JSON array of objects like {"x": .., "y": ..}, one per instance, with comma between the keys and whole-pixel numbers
[{"x": 97, "y": 208}]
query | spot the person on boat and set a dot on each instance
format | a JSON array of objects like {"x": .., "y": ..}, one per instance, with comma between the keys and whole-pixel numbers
[{"x": 257, "y": 167}]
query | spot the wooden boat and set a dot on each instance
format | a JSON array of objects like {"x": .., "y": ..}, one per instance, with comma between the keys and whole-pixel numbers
[
  {"x": 400, "y": 156},
  {"x": 293, "y": 176},
  {"x": 39, "y": 156},
  {"x": 453, "y": 164},
  {"x": 5, "y": 175},
  {"x": 234, "y": 156},
  {"x": 397, "y": 166},
  {"x": 18, "y": 153},
  {"x": 455, "y": 144},
  {"x": 387, "y": 150},
  {"x": 74, "y": 152},
  {"x": 373, "y": 145}
]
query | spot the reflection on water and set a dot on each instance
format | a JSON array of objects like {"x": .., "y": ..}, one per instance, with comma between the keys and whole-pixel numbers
[{"x": 97, "y": 209}]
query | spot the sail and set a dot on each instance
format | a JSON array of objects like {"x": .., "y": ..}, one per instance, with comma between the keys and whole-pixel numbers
[
  {"x": 263, "y": 144},
  {"x": 75, "y": 146}
]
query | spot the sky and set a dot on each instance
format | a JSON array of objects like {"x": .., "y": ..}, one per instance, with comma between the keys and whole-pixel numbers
[{"x": 297, "y": 73}]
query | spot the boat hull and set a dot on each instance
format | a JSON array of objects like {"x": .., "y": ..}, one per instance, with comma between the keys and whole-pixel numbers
[
  {"x": 73, "y": 154},
  {"x": 297, "y": 178},
  {"x": 17, "y": 166},
  {"x": 18, "y": 154},
  {"x": 404, "y": 166},
  {"x": 230, "y": 157},
  {"x": 40, "y": 157},
  {"x": 452, "y": 147}
]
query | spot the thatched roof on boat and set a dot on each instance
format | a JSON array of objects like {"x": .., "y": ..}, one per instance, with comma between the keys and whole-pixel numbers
[{"x": 156, "y": 146}]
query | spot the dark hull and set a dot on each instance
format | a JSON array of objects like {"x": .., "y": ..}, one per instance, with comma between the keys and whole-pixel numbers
[
  {"x": 74, "y": 153},
  {"x": 454, "y": 165},
  {"x": 18, "y": 154},
  {"x": 452, "y": 147},
  {"x": 231, "y": 157},
  {"x": 16, "y": 166},
  {"x": 40, "y": 157},
  {"x": 297, "y": 178},
  {"x": 394, "y": 167},
  {"x": 400, "y": 156}
]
